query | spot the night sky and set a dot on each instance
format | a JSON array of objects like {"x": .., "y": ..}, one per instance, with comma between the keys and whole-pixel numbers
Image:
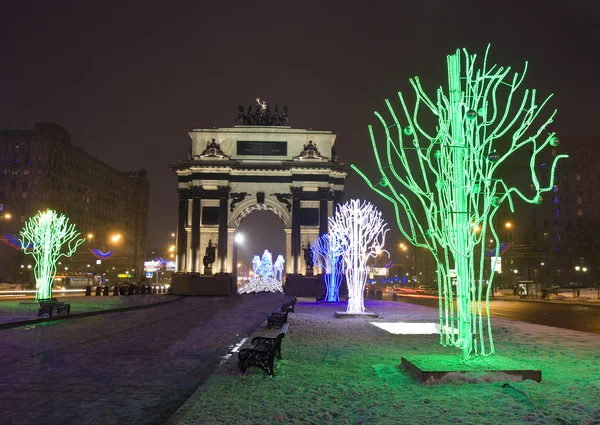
[{"x": 129, "y": 79}]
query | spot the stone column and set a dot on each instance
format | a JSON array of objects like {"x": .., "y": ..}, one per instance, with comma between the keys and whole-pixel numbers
[
  {"x": 323, "y": 213},
  {"x": 222, "y": 250},
  {"x": 181, "y": 242},
  {"x": 296, "y": 222},
  {"x": 195, "y": 248}
]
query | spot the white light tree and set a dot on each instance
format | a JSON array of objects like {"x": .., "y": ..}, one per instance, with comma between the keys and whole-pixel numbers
[
  {"x": 327, "y": 254},
  {"x": 47, "y": 234},
  {"x": 361, "y": 233}
]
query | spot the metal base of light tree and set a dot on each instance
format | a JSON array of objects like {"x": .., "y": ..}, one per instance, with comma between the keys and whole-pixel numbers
[
  {"x": 439, "y": 369},
  {"x": 346, "y": 315}
]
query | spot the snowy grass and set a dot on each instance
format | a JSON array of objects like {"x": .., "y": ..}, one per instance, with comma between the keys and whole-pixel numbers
[
  {"x": 346, "y": 371},
  {"x": 17, "y": 310}
]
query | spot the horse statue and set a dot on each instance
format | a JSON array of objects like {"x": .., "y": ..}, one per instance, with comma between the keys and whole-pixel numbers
[
  {"x": 266, "y": 266},
  {"x": 278, "y": 267},
  {"x": 256, "y": 265}
]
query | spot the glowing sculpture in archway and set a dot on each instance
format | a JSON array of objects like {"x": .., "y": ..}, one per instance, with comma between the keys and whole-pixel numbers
[
  {"x": 360, "y": 231},
  {"x": 263, "y": 278},
  {"x": 327, "y": 254},
  {"x": 52, "y": 237},
  {"x": 447, "y": 184}
]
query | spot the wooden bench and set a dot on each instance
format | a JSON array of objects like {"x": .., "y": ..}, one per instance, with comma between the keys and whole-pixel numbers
[
  {"x": 289, "y": 306},
  {"x": 49, "y": 304},
  {"x": 262, "y": 352},
  {"x": 277, "y": 319}
]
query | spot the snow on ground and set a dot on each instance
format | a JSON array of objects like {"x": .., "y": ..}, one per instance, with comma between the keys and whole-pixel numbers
[{"x": 345, "y": 371}]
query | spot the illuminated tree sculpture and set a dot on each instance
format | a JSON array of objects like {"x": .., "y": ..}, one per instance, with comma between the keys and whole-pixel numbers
[
  {"x": 52, "y": 237},
  {"x": 453, "y": 175},
  {"x": 361, "y": 232},
  {"x": 327, "y": 254}
]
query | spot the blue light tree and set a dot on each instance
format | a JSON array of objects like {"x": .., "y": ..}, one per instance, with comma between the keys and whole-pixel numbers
[{"x": 327, "y": 254}]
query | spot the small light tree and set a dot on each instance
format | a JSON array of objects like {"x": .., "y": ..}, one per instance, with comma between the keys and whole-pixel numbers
[
  {"x": 454, "y": 176},
  {"x": 361, "y": 233},
  {"x": 48, "y": 232},
  {"x": 327, "y": 254}
]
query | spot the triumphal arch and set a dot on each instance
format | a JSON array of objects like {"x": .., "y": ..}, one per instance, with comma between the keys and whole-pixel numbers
[{"x": 260, "y": 163}]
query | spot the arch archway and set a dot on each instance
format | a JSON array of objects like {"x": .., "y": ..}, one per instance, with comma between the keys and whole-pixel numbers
[{"x": 231, "y": 172}]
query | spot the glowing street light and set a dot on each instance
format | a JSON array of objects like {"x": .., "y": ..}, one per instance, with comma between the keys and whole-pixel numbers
[
  {"x": 115, "y": 238},
  {"x": 577, "y": 268},
  {"x": 90, "y": 236},
  {"x": 508, "y": 224}
]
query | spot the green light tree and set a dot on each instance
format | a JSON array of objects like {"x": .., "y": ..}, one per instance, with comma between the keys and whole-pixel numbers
[
  {"x": 48, "y": 234},
  {"x": 447, "y": 184}
]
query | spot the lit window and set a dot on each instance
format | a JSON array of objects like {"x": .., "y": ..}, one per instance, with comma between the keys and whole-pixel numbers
[
  {"x": 579, "y": 212},
  {"x": 555, "y": 188},
  {"x": 577, "y": 177},
  {"x": 546, "y": 236},
  {"x": 579, "y": 200}
]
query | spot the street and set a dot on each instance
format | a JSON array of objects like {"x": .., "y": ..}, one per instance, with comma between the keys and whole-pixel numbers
[{"x": 584, "y": 318}]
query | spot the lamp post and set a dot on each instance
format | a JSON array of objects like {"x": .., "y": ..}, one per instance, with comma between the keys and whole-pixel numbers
[{"x": 404, "y": 248}]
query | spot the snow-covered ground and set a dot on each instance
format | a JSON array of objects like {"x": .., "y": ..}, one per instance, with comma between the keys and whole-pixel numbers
[{"x": 345, "y": 371}]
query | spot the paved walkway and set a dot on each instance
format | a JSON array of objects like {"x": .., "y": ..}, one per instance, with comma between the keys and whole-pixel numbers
[{"x": 133, "y": 367}]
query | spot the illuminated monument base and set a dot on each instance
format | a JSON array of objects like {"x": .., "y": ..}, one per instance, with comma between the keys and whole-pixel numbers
[
  {"x": 439, "y": 369},
  {"x": 262, "y": 284}
]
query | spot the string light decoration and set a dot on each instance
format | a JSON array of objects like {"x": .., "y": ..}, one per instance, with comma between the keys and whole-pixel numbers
[
  {"x": 360, "y": 231},
  {"x": 14, "y": 242},
  {"x": 50, "y": 234},
  {"x": 99, "y": 254},
  {"x": 453, "y": 175},
  {"x": 327, "y": 254}
]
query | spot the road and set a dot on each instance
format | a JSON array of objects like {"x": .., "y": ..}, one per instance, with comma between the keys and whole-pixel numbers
[
  {"x": 134, "y": 367},
  {"x": 584, "y": 318}
]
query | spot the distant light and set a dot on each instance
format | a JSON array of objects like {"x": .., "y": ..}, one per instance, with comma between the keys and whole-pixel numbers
[
  {"x": 508, "y": 224},
  {"x": 584, "y": 269},
  {"x": 577, "y": 268},
  {"x": 239, "y": 238}
]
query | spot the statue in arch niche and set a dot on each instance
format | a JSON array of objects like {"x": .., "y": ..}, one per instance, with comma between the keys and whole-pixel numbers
[
  {"x": 209, "y": 257},
  {"x": 308, "y": 259}
]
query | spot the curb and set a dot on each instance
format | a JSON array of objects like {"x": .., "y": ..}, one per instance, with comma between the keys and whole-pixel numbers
[{"x": 17, "y": 324}]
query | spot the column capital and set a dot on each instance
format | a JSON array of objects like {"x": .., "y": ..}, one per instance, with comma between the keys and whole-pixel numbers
[
  {"x": 184, "y": 193},
  {"x": 223, "y": 191}
]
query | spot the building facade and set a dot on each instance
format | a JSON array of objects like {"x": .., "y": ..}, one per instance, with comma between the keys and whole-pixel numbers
[
  {"x": 40, "y": 168},
  {"x": 260, "y": 164},
  {"x": 558, "y": 241}
]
